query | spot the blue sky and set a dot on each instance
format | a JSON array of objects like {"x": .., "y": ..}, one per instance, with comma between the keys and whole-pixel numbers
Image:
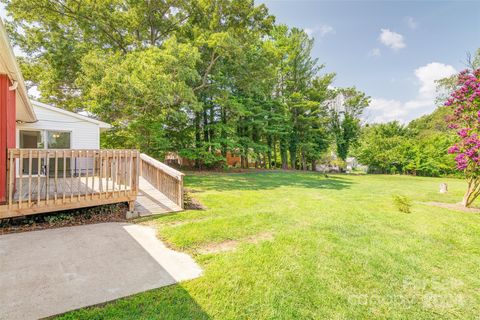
[{"x": 392, "y": 50}]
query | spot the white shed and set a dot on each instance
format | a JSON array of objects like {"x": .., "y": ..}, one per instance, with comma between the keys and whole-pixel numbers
[{"x": 57, "y": 128}]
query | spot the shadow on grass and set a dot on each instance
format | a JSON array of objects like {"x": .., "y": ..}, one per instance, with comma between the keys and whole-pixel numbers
[
  {"x": 266, "y": 180},
  {"x": 172, "y": 302}
]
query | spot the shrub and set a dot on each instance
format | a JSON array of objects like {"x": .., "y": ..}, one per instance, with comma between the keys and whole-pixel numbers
[{"x": 402, "y": 203}]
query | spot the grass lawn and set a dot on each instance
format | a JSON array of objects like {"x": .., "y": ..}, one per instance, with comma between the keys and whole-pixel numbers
[{"x": 310, "y": 247}]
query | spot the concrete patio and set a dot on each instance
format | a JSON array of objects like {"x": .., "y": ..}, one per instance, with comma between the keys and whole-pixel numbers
[{"x": 44, "y": 273}]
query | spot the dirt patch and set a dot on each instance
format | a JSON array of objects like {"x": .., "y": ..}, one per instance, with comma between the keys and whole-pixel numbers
[
  {"x": 452, "y": 206},
  {"x": 181, "y": 223},
  {"x": 230, "y": 245},
  {"x": 67, "y": 218}
]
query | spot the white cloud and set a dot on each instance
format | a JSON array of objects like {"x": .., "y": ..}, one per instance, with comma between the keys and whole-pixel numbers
[
  {"x": 411, "y": 23},
  {"x": 428, "y": 74},
  {"x": 321, "y": 30},
  {"x": 392, "y": 39},
  {"x": 375, "y": 52},
  {"x": 385, "y": 110},
  {"x": 325, "y": 29}
]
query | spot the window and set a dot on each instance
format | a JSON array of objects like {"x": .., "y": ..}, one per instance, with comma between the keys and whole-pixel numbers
[
  {"x": 58, "y": 140},
  {"x": 31, "y": 139},
  {"x": 44, "y": 139}
]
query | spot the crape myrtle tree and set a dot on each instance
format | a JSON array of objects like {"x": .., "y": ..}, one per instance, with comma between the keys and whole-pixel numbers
[{"x": 465, "y": 119}]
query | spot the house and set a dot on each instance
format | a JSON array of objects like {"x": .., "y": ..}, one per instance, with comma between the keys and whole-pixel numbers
[
  {"x": 50, "y": 158},
  {"x": 57, "y": 128}
]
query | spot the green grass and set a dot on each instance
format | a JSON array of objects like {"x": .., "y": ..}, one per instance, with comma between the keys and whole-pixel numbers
[{"x": 340, "y": 250}]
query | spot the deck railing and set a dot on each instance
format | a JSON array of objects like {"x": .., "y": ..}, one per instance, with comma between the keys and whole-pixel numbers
[
  {"x": 164, "y": 178},
  {"x": 52, "y": 180}
]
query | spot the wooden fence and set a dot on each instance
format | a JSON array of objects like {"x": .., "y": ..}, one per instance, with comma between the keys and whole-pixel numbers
[
  {"x": 53, "y": 180},
  {"x": 164, "y": 178}
]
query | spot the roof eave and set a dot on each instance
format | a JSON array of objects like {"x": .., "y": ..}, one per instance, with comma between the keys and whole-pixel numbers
[{"x": 15, "y": 75}]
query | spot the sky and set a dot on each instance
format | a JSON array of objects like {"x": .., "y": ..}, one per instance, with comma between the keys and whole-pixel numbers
[{"x": 392, "y": 50}]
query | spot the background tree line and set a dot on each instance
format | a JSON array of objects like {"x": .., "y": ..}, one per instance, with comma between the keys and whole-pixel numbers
[
  {"x": 419, "y": 148},
  {"x": 200, "y": 78}
]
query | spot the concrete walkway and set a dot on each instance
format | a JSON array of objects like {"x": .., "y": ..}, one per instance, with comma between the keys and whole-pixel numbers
[
  {"x": 43, "y": 273},
  {"x": 151, "y": 201}
]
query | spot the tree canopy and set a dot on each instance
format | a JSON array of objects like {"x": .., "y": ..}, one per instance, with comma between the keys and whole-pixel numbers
[{"x": 200, "y": 78}]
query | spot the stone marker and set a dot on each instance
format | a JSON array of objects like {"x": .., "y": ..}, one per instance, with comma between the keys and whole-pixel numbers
[{"x": 443, "y": 188}]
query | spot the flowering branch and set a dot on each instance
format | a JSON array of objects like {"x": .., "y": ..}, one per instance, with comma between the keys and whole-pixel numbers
[{"x": 465, "y": 101}]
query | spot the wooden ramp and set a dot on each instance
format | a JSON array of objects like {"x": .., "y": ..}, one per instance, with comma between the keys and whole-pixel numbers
[{"x": 151, "y": 201}]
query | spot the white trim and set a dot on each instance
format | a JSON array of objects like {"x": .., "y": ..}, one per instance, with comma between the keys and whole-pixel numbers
[{"x": 101, "y": 124}]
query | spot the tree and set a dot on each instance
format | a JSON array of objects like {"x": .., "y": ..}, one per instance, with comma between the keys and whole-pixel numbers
[
  {"x": 143, "y": 94},
  {"x": 345, "y": 119},
  {"x": 198, "y": 78},
  {"x": 418, "y": 148},
  {"x": 465, "y": 119}
]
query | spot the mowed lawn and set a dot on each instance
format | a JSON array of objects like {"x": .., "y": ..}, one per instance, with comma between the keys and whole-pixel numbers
[{"x": 283, "y": 245}]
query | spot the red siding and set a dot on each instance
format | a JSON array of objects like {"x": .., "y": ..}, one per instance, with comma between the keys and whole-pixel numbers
[{"x": 7, "y": 130}]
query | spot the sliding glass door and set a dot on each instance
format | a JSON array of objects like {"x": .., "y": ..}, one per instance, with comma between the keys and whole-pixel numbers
[
  {"x": 58, "y": 140},
  {"x": 45, "y": 139},
  {"x": 30, "y": 139}
]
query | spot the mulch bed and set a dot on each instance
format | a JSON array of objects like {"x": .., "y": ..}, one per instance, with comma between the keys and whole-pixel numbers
[{"x": 106, "y": 213}]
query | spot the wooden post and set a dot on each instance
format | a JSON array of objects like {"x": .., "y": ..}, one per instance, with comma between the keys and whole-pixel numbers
[
  {"x": 47, "y": 177},
  {"x": 64, "y": 182},
  {"x": 86, "y": 174},
  {"x": 39, "y": 172},
  {"x": 56, "y": 177},
  {"x": 137, "y": 173},
  {"x": 29, "y": 178},
  {"x": 79, "y": 185},
  {"x": 180, "y": 192},
  {"x": 11, "y": 182},
  {"x": 72, "y": 159},
  {"x": 20, "y": 183}
]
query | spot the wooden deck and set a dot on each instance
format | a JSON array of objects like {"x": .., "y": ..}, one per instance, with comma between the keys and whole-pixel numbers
[
  {"x": 69, "y": 187},
  {"x": 71, "y": 179},
  {"x": 150, "y": 201}
]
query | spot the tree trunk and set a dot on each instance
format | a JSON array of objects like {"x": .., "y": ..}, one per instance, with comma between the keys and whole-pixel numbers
[
  {"x": 269, "y": 153},
  {"x": 472, "y": 192},
  {"x": 283, "y": 153},
  {"x": 198, "y": 138},
  {"x": 293, "y": 157},
  {"x": 211, "y": 132},
  {"x": 304, "y": 160},
  {"x": 205, "y": 127},
  {"x": 275, "y": 153},
  {"x": 224, "y": 133},
  {"x": 242, "y": 161}
]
